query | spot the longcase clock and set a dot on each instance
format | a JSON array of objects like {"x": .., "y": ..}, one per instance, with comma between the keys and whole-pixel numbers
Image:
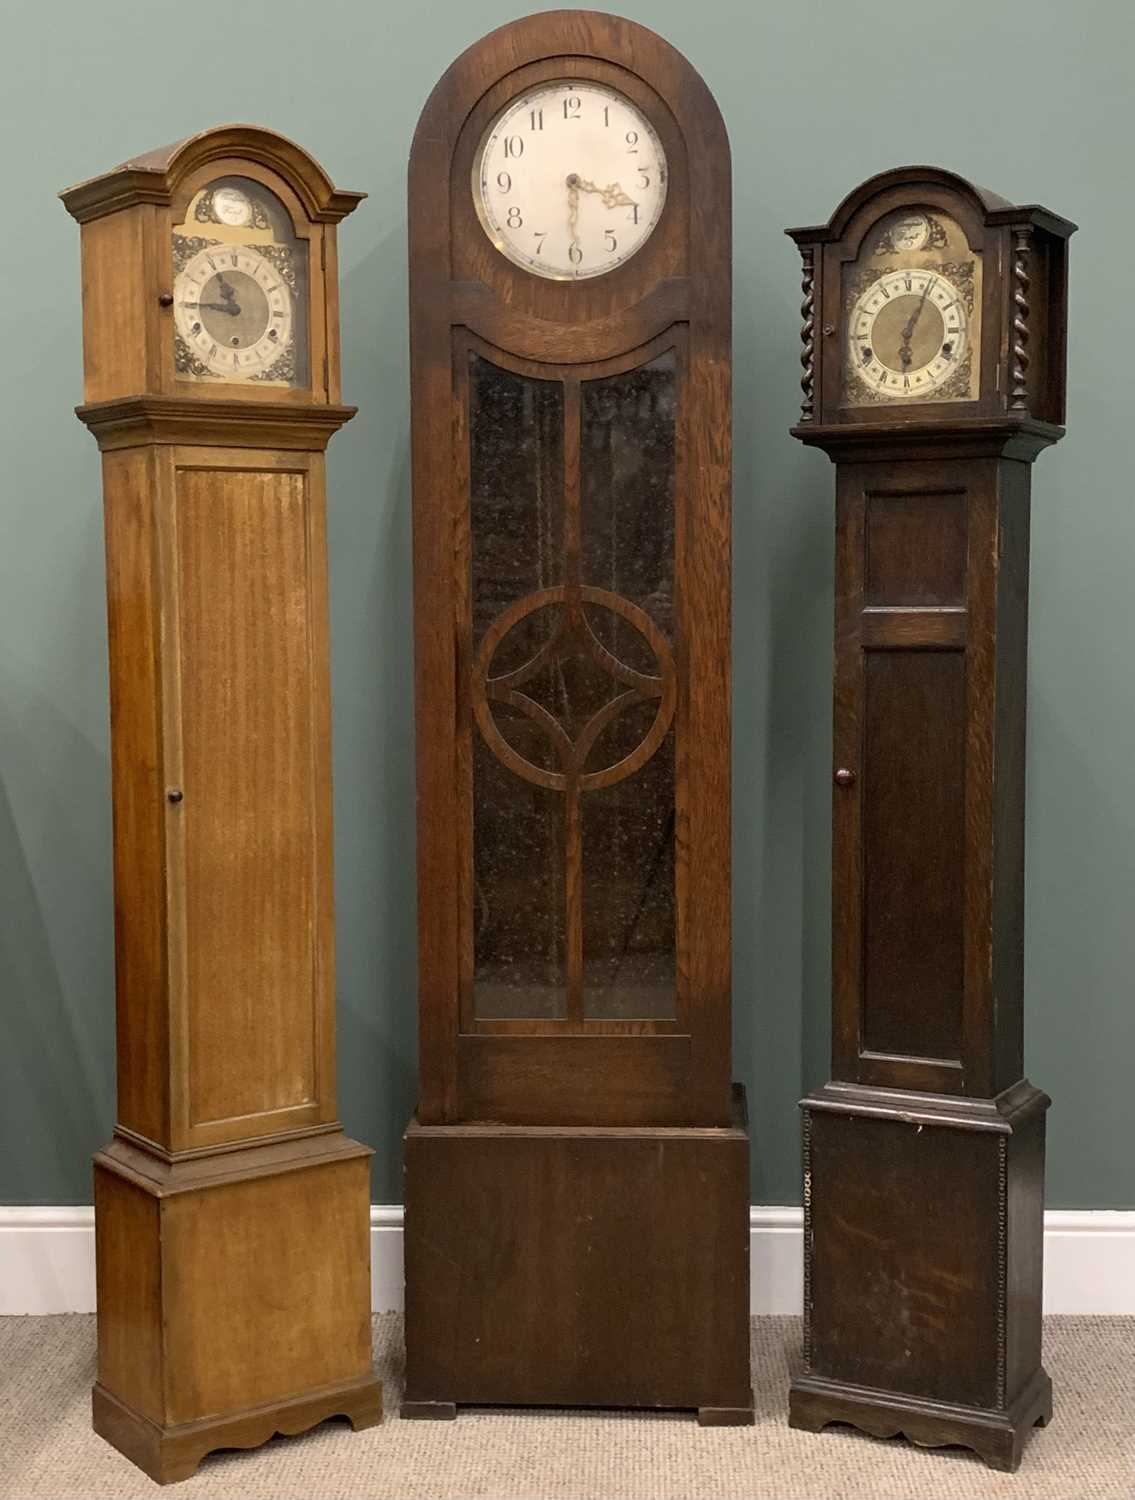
[
  {"x": 576, "y": 1176},
  {"x": 933, "y": 375},
  {"x": 231, "y": 1211}
]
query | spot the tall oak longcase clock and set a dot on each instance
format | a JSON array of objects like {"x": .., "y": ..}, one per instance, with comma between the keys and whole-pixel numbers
[
  {"x": 933, "y": 374},
  {"x": 576, "y": 1176},
  {"x": 231, "y": 1211}
]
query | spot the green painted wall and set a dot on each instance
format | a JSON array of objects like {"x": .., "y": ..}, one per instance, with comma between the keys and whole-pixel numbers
[{"x": 1034, "y": 101}]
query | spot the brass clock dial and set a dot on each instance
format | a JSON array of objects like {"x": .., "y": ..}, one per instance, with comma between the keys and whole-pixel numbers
[
  {"x": 234, "y": 310},
  {"x": 912, "y": 310},
  {"x": 240, "y": 288},
  {"x": 908, "y": 332},
  {"x": 570, "y": 180}
]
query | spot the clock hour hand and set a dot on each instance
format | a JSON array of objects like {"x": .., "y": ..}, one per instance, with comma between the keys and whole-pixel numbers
[
  {"x": 226, "y": 307},
  {"x": 612, "y": 195}
]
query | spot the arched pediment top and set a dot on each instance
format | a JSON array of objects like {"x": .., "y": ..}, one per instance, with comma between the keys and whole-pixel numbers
[
  {"x": 989, "y": 207},
  {"x": 154, "y": 177},
  {"x": 567, "y": 33}
]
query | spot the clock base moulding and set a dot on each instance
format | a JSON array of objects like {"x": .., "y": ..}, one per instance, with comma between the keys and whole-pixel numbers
[
  {"x": 214, "y": 1330},
  {"x": 546, "y": 1266},
  {"x": 933, "y": 1208},
  {"x": 997, "y": 1437}
]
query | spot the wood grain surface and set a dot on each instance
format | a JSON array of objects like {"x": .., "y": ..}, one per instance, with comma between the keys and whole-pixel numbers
[{"x": 924, "y": 1157}]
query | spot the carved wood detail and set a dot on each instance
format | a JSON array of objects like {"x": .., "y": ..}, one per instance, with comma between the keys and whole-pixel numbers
[
  {"x": 808, "y": 331},
  {"x": 807, "y": 1145},
  {"x": 1002, "y": 1267},
  {"x": 1019, "y": 393}
]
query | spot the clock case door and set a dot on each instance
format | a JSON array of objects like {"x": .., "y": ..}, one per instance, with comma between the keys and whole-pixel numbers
[{"x": 473, "y": 310}]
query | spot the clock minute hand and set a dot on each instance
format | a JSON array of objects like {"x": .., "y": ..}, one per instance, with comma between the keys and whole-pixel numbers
[
  {"x": 912, "y": 324},
  {"x": 573, "y": 186}
]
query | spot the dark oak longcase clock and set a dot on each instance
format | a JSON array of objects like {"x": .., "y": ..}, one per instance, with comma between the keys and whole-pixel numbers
[
  {"x": 933, "y": 375},
  {"x": 231, "y": 1212},
  {"x": 576, "y": 1176}
]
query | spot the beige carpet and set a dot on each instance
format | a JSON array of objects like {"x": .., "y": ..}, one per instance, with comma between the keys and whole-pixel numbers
[{"x": 47, "y": 1447}]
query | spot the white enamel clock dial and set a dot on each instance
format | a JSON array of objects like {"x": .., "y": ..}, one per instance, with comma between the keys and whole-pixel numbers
[
  {"x": 569, "y": 180},
  {"x": 907, "y": 333},
  {"x": 233, "y": 309}
]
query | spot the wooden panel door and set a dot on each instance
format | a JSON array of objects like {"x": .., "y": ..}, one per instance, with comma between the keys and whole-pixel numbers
[
  {"x": 250, "y": 836},
  {"x": 921, "y": 611}
]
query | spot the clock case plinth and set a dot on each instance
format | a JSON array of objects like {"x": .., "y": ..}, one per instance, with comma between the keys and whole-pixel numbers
[
  {"x": 924, "y": 1156},
  {"x": 576, "y": 1195},
  {"x": 231, "y": 1210},
  {"x": 590, "y": 1289}
]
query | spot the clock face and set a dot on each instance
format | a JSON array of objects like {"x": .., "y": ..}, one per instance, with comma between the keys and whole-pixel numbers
[
  {"x": 570, "y": 180},
  {"x": 239, "y": 288},
  {"x": 912, "y": 312},
  {"x": 908, "y": 332},
  {"x": 234, "y": 310}
]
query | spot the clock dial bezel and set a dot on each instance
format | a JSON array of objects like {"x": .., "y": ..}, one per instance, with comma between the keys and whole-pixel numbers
[
  {"x": 309, "y": 321},
  {"x": 664, "y": 255},
  {"x": 484, "y": 172}
]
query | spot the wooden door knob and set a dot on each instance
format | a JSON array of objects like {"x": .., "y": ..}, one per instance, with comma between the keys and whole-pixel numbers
[{"x": 844, "y": 777}]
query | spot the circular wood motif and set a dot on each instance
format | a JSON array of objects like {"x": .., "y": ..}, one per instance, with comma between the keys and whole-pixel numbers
[{"x": 573, "y": 636}]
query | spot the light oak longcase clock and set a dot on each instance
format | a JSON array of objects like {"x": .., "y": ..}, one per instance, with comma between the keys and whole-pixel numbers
[
  {"x": 231, "y": 1212},
  {"x": 933, "y": 375},
  {"x": 576, "y": 1176}
]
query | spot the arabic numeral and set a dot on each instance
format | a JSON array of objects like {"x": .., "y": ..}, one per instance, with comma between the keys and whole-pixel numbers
[
  {"x": 634, "y": 213},
  {"x": 645, "y": 175},
  {"x": 575, "y": 253},
  {"x": 514, "y": 219},
  {"x": 504, "y": 182},
  {"x": 606, "y": 114},
  {"x": 536, "y": 119},
  {"x": 632, "y": 142},
  {"x": 613, "y": 243},
  {"x": 540, "y": 235},
  {"x": 513, "y": 146},
  {"x": 572, "y": 107}
]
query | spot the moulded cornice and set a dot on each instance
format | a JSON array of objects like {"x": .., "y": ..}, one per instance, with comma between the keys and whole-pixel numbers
[{"x": 154, "y": 177}]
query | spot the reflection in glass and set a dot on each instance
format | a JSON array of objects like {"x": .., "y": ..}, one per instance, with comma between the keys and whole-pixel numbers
[
  {"x": 516, "y": 519},
  {"x": 627, "y": 504},
  {"x": 567, "y": 689}
]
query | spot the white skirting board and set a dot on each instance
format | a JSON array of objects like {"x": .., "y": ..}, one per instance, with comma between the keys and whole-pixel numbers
[{"x": 47, "y": 1260}]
